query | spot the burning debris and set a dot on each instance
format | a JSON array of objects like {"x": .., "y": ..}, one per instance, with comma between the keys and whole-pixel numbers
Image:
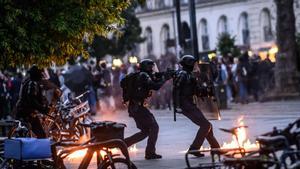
[{"x": 239, "y": 137}]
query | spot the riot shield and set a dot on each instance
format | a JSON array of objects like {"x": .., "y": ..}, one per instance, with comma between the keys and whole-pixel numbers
[{"x": 208, "y": 105}]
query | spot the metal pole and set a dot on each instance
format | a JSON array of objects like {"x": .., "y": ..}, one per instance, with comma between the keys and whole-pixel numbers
[
  {"x": 178, "y": 19},
  {"x": 192, "y": 12}
]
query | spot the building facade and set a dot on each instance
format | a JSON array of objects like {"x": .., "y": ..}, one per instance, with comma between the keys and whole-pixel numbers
[{"x": 252, "y": 22}]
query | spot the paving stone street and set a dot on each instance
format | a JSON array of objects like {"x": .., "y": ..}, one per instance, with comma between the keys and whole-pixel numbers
[{"x": 175, "y": 137}]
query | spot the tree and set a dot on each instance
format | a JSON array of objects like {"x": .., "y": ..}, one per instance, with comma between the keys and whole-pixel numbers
[
  {"x": 286, "y": 75},
  {"x": 226, "y": 45},
  {"x": 125, "y": 40},
  {"x": 42, "y": 31},
  {"x": 298, "y": 50}
]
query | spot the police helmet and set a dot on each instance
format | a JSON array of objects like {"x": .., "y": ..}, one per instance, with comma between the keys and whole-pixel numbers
[
  {"x": 35, "y": 73},
  {"x": 146, "y": 65},
  {"x": 187, "y": 61}
]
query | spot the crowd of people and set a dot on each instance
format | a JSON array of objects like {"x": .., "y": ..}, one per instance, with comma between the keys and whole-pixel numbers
[{"x": 245, "y": 79}]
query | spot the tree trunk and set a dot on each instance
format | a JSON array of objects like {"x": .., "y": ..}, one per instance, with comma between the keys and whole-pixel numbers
[{"x": 286, "y": 75}]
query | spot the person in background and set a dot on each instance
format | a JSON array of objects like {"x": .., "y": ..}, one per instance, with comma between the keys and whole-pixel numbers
[
  {"x": 16, "y": 85},
  {"x": 234, "y": 79},
  {"x": 243, "y": 71},
  {"x": 32, "y": 100}
]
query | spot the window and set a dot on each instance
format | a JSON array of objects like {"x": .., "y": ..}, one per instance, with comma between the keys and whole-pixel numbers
[
  {"x": 160, "y": 4},
  {"x": 164, "y": 36},
  {"x": 186, "y": 36},
  {"x": 223, "y": 25},
  {"x": 266, "y": 25},
  {"x": 244, "y": 32},
  {"x": 204, "y": 34},
  {"x": 150, "y": 4},
  {"x": 183, "y": 1},
  {"x": 149, "y": 40}
]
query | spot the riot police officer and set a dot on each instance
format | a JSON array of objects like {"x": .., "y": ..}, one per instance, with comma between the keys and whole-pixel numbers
[
  {"x": 185, "y": 87},
  {"x": 32, "y": 100},
  {"x": 144, "y": 119}
]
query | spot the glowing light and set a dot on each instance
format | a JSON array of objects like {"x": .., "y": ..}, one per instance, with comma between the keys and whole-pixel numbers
[
  {"x": 211, "y": 55},
  {"x": 77, "y": 155},
  {"x": 273, "y": 50},
  {"x": 133, "y": 59},
  {"x": 133, "y": 149},
  {"x": 117, "y": 62},
  {"x": 250, "y": 53}
]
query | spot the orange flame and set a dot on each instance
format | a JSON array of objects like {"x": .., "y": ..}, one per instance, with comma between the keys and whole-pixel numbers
[
  {"x": 78, "y": 155},
  {"x": 242, "y": 140}
]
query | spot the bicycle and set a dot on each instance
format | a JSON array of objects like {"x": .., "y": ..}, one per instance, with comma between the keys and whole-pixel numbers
[
  {"x": 108, "y": 161},
  {"x": 19, "y": 129},
  {"x": 69, "y": 114},
  {"x": 50, "y": 126},
  {"x": 217, "y": 154},
  {"x": 271, "y": 144}
]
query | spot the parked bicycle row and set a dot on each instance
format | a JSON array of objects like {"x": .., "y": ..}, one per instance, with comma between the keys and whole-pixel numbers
[{"x": 64, "y": 125}]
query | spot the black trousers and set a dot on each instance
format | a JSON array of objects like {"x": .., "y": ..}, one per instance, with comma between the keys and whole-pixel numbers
[
  {"x": 146, "y": 122},
  {"x": 205, "y": 131}
]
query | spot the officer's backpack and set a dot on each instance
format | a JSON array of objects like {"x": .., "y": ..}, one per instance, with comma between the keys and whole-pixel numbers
[{"x": 129, "y": 86}]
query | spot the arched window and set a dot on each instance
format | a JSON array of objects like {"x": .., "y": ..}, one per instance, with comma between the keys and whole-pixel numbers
[
  {"x": 204, "y": 34},
  {"x": 150, "y": 4},
  {"x": 266, "y": 27},
  {"x": 222, "y": 24},
  {"x": 149, "y": 40},
  {"x": 186, "y": 35},
  {"x": 164, "y": 36},
  {"x": 244, "y": 33}
]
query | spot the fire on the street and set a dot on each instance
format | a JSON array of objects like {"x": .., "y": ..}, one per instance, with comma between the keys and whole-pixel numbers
[
  {"x": 239, "y": 140},
  {"x": 243, "y": 141},
  {"x": 78, "y": 155}
]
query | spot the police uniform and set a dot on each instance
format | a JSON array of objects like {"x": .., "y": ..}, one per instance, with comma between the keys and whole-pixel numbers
[
  {"x": 185, "y": 87},
  {"x": 143, "y": 118}
]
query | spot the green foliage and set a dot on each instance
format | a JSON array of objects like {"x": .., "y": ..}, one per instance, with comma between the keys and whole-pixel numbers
[
  {"x": 42, "y": 31},
  {"x": 226, "y": 45},
  {"x": 125, "y": 40}
]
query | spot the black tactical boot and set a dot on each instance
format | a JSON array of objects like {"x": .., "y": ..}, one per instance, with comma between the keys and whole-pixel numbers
[
  {"x": 152, "y": 156},
  {"x": 195, "y": 152}
]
